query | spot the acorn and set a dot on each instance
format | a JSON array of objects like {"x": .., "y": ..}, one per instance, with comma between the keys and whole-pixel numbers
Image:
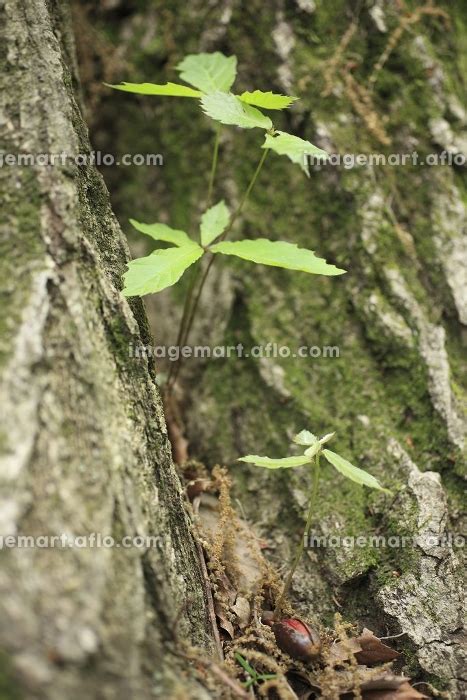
[{"x": 297, "y": 639}]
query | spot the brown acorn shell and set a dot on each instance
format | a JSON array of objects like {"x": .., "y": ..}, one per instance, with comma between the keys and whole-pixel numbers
[{"x": 297, "y": 644}]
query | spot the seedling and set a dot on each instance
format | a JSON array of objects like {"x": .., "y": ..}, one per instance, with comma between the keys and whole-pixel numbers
[
  {"x": 254, "y": 676},
  {"x": 210, "y": 77},
  {"x": 311, "y": 456}
]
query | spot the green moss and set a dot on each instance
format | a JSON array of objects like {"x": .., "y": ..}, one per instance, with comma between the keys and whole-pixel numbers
[
  {"x": 21, "y": 249},
  {"x": 9, "y": 690},
  {"x": 121, "y": 342}
]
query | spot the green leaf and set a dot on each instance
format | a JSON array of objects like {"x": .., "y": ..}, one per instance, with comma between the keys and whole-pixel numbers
[
  {"x": 161, "y": 232},
  {"x": 209, "y": 71},
  {"x": 267, "y": 100},
  {"x": 245, "y": 665},
  {"x": 354, "y": 473},
  {"x": 294, "y": 148},
  {"x": 159, "y": 270},
  {"x": 169, "y": 89},
  {"x": 313, "y": 450},
  {"x": 326, "y": 438},
  {"x": 277, "y": 254},
  {"x": 304, "y": 437},
  {"x": 214, "y": 222},
  {"x": 276, "y": 463},
  {"x": 228, "y": 109}
]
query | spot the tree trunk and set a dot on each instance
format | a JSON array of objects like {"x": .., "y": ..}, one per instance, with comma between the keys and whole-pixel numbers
[
  {"x": 370, "y": 81},
  {"x": 84, "y": 444}
]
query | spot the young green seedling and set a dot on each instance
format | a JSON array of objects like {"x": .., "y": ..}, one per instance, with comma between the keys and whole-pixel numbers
[
  {"x": 311, "y": 456},
  {"x": 210, "y": 77},
  {"x": 164, "y": 267},
  {"x": 254, "y": 676}
]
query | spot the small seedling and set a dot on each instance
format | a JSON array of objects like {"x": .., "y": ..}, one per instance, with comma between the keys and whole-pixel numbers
[
  {"x": 314, "y": 450},
  {"x": 210, "y": 77},
  {"x": 254, "y": 676}
]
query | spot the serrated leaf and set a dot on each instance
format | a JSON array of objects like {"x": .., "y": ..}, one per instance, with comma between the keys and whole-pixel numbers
[
  {"x": 162, "y": 232},
  {"x": 326, "y": 438},
  {"x": 351, "y": 472},
  {"x": 169, "y": 89},
  {"x": 229, "y": 109},
  {"x": 277, "y": 254},
  {"x": 293, "y": 147},
  {"x": 209, "y": 71},
  {"x": 304, "y": 437},
  {"x": 159, "y": 270},
  {"x": 270, "y": 463},
  {"x": 313, "y": 450},
  {"x": 267, "y": 100},
  {"x": 214, "y": 222}
]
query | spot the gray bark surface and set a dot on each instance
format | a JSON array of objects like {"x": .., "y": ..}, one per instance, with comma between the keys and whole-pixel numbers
[{"x": 84, "y": 444}]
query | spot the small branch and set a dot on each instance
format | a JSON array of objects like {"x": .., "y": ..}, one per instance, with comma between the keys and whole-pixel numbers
[
  {"x": 393, "y": 636},
  {"x": 209, "y": 600}
]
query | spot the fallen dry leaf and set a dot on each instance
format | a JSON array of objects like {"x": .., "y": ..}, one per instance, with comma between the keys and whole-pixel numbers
[
  {"x": 342, "y": 651},
  {"x": 242, "y": 610},
  {"x": 404, "y": 692},
  {"x": 224, "y": 622},
  {"x": 383, "y": 680},
  {"x": 368, "y": 680},
  {"x": 367, "y": 649},
  {"x": 373, "y": 651}
]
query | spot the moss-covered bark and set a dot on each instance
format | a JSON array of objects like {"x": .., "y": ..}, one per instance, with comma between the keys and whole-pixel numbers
[
  {"x": 396, "y": 394},
  {"x": 83, "y": 444}
]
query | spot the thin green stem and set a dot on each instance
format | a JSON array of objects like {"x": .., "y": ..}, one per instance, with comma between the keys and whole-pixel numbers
[
  {"x": 189, "y": 295},
  {"x": 185, "y": 314},
  {"x": 301, "y": 544},
  {"x": 235, "y": 215},
  {"x": 215, "y": 155},
  {"x": 194, "y": 306},
  {"x": 244, "y": 200}
]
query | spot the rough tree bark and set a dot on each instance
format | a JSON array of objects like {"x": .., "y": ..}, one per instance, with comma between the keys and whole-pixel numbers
[
  {"x": 396, "y": 394},
  {"x": 83, "y": 441}
]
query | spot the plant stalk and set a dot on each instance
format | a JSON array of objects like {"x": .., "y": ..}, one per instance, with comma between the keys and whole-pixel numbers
[
  {"x": 301, "y": 545},
  {"x": 239, "y": 209},
  {"x": 189, "y": 295},
  {"x": 215, "y": 154},
  {"x": 236, "y": 214},
  {"x": 185, "y": 314},
  {"x": 191, "y": 308}
]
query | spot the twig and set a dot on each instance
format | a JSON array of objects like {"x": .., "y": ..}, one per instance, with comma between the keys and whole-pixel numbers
[
  {"x": 210, "y": 601},
  {"x": 332, "y": 66},
  {"x": 394, "y": 38},
  {"x": 393, "y": 636}
]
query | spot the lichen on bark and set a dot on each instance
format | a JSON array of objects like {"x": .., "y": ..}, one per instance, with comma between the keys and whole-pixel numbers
[{"x": 84, "y": 445}]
